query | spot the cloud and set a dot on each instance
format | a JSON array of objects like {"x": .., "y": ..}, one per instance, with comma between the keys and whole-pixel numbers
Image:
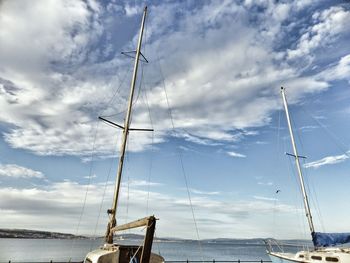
[
  {"x": 308, "y": 128},
  {"x": 57, "y": 207},
  {"x": 199, "y": 192},
  {"x": 261, "y": 142},
  {"x": 327, "y": 160},
  {"x": 132, "y": 10},
  {"x": 326, "y": 26},
  {"x": 196, "y": 139},
  {"x": 340, "y": 71},
  {"x": 265, "y": 183},
  {"x": 140, "y": 183},
  {"x": 235, "y": 154},
  {"x": 90, "y": 176},
  {"x": 16, "y": 171},
  {"x": 222, "y": 84},
  {"x": 264, "y": 198}
]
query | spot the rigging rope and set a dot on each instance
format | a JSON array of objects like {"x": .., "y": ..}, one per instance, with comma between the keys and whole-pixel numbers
[
  {"x": 127, "y": 172},
  {"x": 134, "y": 103},
  {"x": 127, "y": 148},
  {"x": 151, "y": 121},
  {"x": 121, "y": 82},
  {"x": 120, "y": 112},
  {"x": 137, "y": 96},
  {"x": 342, "y": 146},
  {"x": 313, "y": 196},
  {"x": 127, "y": 200},
  {"x": 104, "y": 192},
  {"x": 310, "y": 187},
  {"x": 155, "y": 235},
  {"x": 298, "y": 194},
  {"x": 181, "y": 161},
  {"x": 304, "y": 171},
  {"x": 277, "y": 153},
  {"x": 87, "y": 187},
  {"x": 142, "y": 244},
  {"x": 279, "y": 131},
  {"x": 152, "y": 149}
]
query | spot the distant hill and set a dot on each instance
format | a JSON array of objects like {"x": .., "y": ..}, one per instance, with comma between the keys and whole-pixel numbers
[
  {"x": 24, "y": 233},
  {"x": 251, "y": 241},
  {"x": 141, "y": 237}
]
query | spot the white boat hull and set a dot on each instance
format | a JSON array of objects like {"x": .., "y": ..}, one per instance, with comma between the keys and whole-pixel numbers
[
  {"x": 327, "y": 255},
  {"x": 283, "y": 258},
  {"x": 113, "y": 253}
]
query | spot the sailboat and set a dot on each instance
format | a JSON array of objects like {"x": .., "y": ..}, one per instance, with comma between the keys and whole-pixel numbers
[
  {"x": 324, "y": 249},
  {"x": 117, "y": 253}
]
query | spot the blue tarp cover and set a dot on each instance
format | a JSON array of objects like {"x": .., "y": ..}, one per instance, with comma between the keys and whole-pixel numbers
[{"x": 330, "y": 239}]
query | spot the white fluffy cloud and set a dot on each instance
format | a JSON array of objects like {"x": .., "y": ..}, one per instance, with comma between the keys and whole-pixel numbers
[
  {"x": 57, "y": 207},
  {"x": 340, "y": 71},
  {"x": 199, "y": 192},
  {"x": 221, "y": 64},
  {"x": 265, "y": 198},
  {"x": 327, "y": 160},
  {"x": 16, "y": 171},
  {"x": 235, "y": 154},
  {"x": 327, "y": 25}
]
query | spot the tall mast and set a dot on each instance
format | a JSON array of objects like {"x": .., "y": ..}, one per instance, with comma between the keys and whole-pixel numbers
[
  {"x": 301, "y": 179},
  {"x": 113, "y": 211}
]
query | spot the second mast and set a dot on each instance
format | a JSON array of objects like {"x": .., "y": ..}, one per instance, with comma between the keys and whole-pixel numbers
[{"x": 301, "y": 179}]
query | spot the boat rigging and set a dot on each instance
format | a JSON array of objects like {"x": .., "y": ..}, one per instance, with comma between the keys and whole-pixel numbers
[
  {"x": 111, "y": 252},
  {"x": 324, "y": 250}
]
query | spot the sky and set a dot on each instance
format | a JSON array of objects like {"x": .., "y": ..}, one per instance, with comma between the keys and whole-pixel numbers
[{"x": 211, "y": 92}]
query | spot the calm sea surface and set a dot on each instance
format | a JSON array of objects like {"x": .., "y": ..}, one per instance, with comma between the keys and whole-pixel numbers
[{"x": 41, "y": 250}]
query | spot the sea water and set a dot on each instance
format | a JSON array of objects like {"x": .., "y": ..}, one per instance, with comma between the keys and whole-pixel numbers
[{"x": 63, "y": 250}]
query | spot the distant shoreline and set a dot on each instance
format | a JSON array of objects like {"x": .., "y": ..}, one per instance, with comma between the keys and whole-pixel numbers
[{"x": 36, "y": 234}]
